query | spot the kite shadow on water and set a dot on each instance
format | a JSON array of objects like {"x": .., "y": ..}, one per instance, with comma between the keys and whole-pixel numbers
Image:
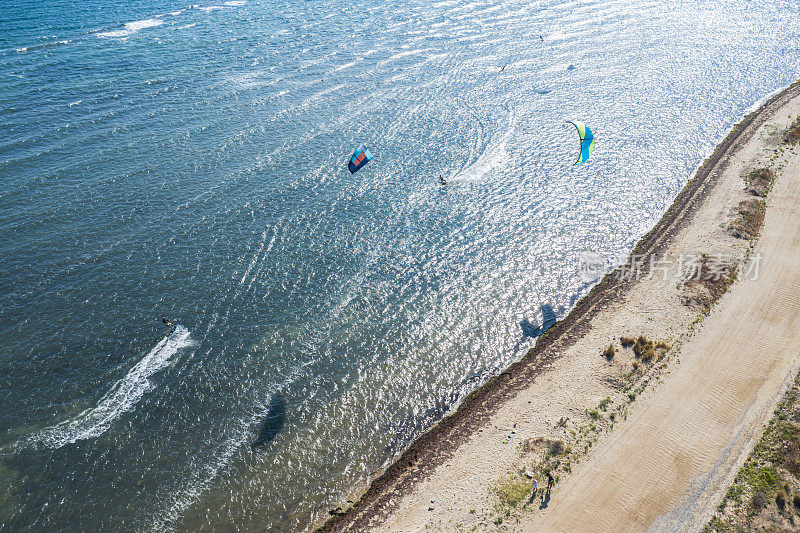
[
  {"x": 272, "y": 424},
  {"x": 548, "y": 319}
]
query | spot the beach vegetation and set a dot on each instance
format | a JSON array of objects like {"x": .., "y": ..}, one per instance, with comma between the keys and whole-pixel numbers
[
  {"x": 760, "y": 181},
  {"x": 515, "y": 491},
  {"x": 758, "y": 502},
  {"x": 511, "y": 490},
  {"x": 648, "y": 354},
  {"x": 626, "y": 342},
  {"x": 555, "y": 448},
  {"x": 539, "y": 444},
  {"x": 780, "y": 499},
  {"x": 641, "y": 345},
  {"x": 761, "y": 490},
  {"x": 712, "y": 277},
  {"x": 514, "y": 494},
  {"x": 792, "y": 135},
  {"x": 609, "y": 352},
  {"x": 604, "y": 403},
  {"x": 748, "y": 218}
]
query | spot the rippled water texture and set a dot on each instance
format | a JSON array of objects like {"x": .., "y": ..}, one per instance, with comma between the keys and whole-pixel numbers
[{"x": 189, "y": 161}]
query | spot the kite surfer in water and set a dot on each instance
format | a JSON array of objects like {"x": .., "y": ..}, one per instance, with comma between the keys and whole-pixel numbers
[
  {"x": 441, "y": 180},
  {"x": 168, "y": 323}
]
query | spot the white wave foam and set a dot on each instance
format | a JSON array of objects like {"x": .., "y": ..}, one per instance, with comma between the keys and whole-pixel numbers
[
  {"x": 132, "y": 27},
  {"x": 142, "y": 24},
  {"x": 235, "y": 3},
  {"x": 208, "y": 9},
  {"x": 76, "y": 102},
  {"x": 345, "y": 66},
  {"x": 121, "y": 398},
  {"x": 492, "y": 160}
]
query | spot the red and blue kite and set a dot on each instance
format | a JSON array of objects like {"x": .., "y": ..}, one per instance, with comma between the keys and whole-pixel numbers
[{"x": 359, "y": 158}]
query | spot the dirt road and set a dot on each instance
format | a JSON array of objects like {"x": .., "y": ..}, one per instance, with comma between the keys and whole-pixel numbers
[{"x": 668, "y": 465}]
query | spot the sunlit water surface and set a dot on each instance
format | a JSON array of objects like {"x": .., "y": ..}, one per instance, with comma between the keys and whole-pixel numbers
[{"x": 190, "y": 161}]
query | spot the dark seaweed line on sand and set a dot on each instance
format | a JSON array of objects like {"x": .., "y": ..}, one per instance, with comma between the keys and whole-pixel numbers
[{"x": 439, "y": 444}]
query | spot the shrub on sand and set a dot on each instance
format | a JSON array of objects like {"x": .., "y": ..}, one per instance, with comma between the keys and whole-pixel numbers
[
  {"x": 641, "y": 346},
  {"x": 792, "y": 135},
  {"x": 759, "y": 181},
  {"x": 780, "y": 499},
  {"x": 759, "y": 501},
  {"x": 626, "y": 341},
  {"x": 714, "y": 275},
  {"x": 555, "y": 448},
  {"x": 511, "y": 490},
  {"x": 609, "y": 352},
  {"x": 748, "y": 218}
]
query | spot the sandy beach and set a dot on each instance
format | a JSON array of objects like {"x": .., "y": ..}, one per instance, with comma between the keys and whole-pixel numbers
[{"x": 648, "y": 436}]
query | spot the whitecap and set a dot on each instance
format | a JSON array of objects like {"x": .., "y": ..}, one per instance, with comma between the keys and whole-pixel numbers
[
  {"x": 132, "y": 27},
  {"x": 141, "y": 24},
  {"x": 235, "y": 3},
  {"x": 345, "y": 66}
]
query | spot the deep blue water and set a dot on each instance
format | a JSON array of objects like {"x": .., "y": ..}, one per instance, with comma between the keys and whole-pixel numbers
[{"x": 167, "y": 159}]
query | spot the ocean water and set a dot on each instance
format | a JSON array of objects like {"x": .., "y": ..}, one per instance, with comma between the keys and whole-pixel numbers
[{"x": 160, "y": 158}]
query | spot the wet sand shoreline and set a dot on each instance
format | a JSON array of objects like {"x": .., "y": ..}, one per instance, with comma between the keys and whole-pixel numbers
[{"x": 440, "y": 443}]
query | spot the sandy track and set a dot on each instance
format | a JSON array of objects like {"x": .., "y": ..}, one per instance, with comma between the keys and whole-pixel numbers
[{"x": 668, "y": 465}]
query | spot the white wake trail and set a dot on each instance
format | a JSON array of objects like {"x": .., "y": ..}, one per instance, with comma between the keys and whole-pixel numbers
[{"x": 122, "y": 397}]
